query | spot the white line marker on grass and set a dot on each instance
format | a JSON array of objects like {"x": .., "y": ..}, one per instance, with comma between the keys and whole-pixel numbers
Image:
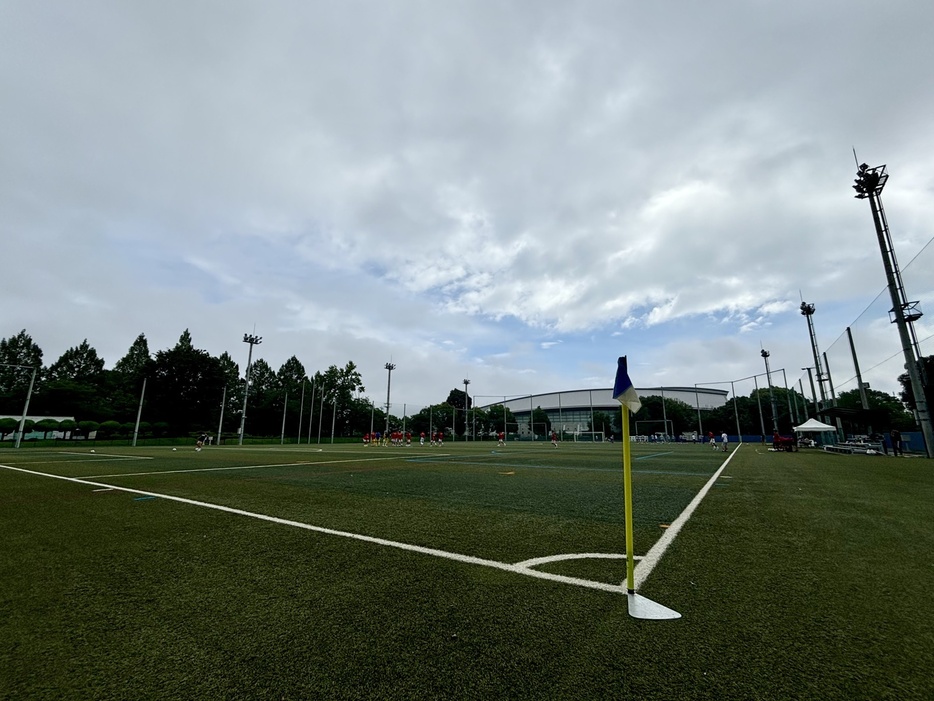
[
  {"x": 238, "y": 467},
  {"x": 654, "y": 555}
]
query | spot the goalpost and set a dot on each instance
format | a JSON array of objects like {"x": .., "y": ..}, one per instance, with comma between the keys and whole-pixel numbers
[
  {"x": 589, "y": 437},
  {"x": 667, "y": 426}
]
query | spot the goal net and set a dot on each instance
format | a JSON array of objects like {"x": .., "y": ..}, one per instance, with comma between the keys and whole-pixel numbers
[{"x": 589, "y": 437}]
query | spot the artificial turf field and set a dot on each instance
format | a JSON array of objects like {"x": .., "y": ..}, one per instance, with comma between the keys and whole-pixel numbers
[{"x": 351, "y": 572}]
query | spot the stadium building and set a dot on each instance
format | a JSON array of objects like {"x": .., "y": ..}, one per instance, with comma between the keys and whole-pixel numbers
[{"x": 572, "y": 411}]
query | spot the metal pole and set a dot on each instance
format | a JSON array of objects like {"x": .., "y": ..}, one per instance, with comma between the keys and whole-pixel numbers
[
  {"x": 739, "y": 435},
  {"x": 22, "y": 421},
  {"x": 389, "y": 367},
  {"x": 792, "y": 410},
  {"x": 759, "y": 402},
  {"x": 253, "y": 341},
  {"x": 700, "y": 426},
  {"x": 665, "y": 413},
  {"x": 311, "y": 410},
  {"x": 333, "y": 417},
  {"x": 320, "y": 415},
  {"x": 285, "y": 406},
  {"x": 864, "y": 400},
  {"x": 833, "y": 398},
  {"x": 466, "y": 407},
  {"x": 768, "y": 377},
  {"x": 220, "y": 422},
  {"x": 869, "y": 183},
  {"x": 139, "y": 411},
  {"x": 301, "y": 413},
  {"x": 813, "y": 393}
]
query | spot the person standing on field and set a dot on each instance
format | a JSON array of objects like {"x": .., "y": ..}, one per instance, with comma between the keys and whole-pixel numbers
[{"x": 723, "y": 440}]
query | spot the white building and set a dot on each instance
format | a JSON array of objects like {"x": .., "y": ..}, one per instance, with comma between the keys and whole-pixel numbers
[{"x": 572, "y": 410}]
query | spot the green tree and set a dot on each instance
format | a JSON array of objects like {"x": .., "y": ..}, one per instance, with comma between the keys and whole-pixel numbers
[
  {"x": 122, "y": 387},
  {"x": 75, "y": 385},
  {"x": 46, "y": 426},
  {"x": 7, "y": 426},
  {"x": 185, "y": 388},
  {"x": 19, "y": 350},
  {"x": 135, "y": 364},
  {"x": 602, "y": 421},
  {"x": 109, "y": 429},
  {"x": 682, "y": 416},
  {"x": 79, "y": 364},
  {"x": 88, "y": 427},
  {"x": 541, "y": 423},
  {"x": 927, "y": 376},
  {"x": 886, "y": 411}
]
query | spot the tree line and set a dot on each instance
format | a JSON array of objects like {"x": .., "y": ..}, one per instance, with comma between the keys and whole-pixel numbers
[{"x": 185, "y": 390}]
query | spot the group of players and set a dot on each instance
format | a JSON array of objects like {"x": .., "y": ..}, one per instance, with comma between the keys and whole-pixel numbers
[{"x": 398, "y": 438}]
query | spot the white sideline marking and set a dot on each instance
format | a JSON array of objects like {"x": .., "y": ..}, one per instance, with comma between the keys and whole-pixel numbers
[
  {"x": 523, "y": 568},
  {"x": 652, "y": 557},
  {"x": 106, "y": 455},
  {"x": 238, "y": 467}
]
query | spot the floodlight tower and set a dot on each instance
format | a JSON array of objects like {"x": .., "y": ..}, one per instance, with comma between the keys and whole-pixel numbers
[
  {"x": 808, "y": 311},
  {"x": 869, "y": 185},
  {"x": 768, "y": 375},
  {"x": 253, "y": 341},
  {"x": 466, "y": 406},
  {"x": 390, "y": 367}
]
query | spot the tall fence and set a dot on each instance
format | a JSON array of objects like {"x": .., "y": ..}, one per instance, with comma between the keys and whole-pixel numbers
[{"x": 876, "y": 341}]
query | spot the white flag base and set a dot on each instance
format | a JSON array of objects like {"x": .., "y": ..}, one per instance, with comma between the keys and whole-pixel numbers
[{"x": 640, "y": 607}]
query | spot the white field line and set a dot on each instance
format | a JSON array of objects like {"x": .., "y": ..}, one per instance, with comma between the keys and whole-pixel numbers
[
  {"x": 652, "y": 557},
  {"x": 522, "y": 568},
  {"x": 239, "y": 467},
  {"x": 97, "y": 456}
]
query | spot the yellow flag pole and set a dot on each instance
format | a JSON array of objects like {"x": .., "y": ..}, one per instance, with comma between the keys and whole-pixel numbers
[{"x": 627, "y": 502}]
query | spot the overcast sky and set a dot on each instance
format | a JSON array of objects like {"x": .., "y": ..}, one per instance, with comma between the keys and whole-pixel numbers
[{"x": 511, "y": 192}]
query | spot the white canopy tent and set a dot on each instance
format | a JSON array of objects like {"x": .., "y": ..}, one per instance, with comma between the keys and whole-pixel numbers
[{"x": 814, "y": 426}]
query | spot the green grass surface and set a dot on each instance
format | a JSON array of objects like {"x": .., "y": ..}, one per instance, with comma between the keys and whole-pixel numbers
[{"x": 800, "y": 575}]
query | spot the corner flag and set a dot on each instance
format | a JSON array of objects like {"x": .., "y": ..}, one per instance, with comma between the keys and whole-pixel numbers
[
  {"x": 625, "y": 394},
  {"x": 623, "y": 391}
]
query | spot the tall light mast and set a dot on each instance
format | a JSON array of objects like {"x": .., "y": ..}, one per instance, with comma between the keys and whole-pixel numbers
[{"x": 869, "y": 185}]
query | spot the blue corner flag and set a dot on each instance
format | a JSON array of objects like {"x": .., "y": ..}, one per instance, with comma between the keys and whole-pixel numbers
[{"x": 623, "y": 391}]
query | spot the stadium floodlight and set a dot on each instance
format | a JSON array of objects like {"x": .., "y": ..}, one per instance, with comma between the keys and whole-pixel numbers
[
  {"x": 253, "y": 341},
  {"x": 869, "y": 185},
  {"x": 389, "y": 368}
]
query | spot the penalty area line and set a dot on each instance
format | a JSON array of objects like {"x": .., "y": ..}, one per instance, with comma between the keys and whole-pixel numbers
[{"x": 523, "y": 568}]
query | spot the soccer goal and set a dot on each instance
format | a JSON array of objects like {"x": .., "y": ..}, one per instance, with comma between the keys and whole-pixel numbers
[
  {"x": 658, "y": 428},
  {"x": 589, "y": 437}
]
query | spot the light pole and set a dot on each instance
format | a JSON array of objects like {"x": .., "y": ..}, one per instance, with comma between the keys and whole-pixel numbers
[
  {"x": 869, "y": 185},
  {"x": 389, "y": 367},
  {"x": 768, "y": 376},
  {"x": 253, "y": 341},
  {"x": 466, "y": 406}
]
